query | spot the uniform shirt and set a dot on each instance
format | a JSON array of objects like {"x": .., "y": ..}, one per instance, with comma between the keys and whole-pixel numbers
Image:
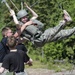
[
  {"x": 3, "y": 49},
  {"x": 22, "y": 47},
  {"x": 14, "y": 61}
]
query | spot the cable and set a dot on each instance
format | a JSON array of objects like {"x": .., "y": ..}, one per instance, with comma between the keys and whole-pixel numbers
[{"x": 14, "y": 5}]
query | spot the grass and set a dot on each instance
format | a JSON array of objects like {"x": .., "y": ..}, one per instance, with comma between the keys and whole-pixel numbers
[
  {"x": 60, "y": 67},
  {"x": 40, "y": 62},
  {"x": 56, "y": 67}
]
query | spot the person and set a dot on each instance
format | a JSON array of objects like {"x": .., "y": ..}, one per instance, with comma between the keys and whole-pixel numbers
[
  {"x": 14, "y": 61},
  {"x": 6, "y": 32},
  {"x": 3, "y": 47},
  {"x": 34, "y": 32},
  {"x": 20, "y": 46}
]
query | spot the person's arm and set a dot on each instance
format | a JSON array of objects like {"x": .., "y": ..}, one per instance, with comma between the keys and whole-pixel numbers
[
  {"x": 27, "y": 60},
  {"x": 2, "y": 70},
  {"x": 18, "y": 32},
  {"x": 30, "y": 62},
  {"x": 12, "y": 13},
  {"x": 33, "y": 13}
]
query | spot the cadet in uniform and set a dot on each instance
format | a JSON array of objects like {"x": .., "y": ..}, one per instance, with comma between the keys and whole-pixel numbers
[{"x": 34, "y": 32}]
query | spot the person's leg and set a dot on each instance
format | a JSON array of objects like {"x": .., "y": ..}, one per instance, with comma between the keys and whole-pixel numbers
[
  {"x": 63, "y": 34},
  {"x": 49, "y": 34}
]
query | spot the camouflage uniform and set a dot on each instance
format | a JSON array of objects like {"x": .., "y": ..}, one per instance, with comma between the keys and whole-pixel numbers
[{"x": 38, "y": 38}]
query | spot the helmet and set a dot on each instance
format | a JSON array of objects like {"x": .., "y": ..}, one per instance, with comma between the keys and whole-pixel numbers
[{"x": 21, "y": 14}]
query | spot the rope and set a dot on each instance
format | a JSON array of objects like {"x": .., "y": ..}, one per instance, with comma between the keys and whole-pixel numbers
[
  {"x": 22, "y": 4},
  {"x": 14, "y": 5}
]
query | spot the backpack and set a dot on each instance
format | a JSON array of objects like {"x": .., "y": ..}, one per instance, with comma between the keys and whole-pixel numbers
[{"x": 34, "y": 30}]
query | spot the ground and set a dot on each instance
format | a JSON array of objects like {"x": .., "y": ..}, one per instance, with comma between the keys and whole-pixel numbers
[
  {"x": 42, "y": 69},
  {"x": 39, "y": 71}
]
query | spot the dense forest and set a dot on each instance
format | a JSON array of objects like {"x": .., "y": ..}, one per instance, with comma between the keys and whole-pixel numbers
[{"x": 50, "y": 13}]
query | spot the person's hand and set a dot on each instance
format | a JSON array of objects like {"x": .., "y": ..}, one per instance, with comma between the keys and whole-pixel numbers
[
  {"x": 12, "y": 12},
  {"x": 26, "y": 4},
  {"x": 30, "y": 62}
]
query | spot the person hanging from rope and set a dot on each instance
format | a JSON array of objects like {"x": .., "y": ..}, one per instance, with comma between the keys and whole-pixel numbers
[{"x": 34, "y": 32}]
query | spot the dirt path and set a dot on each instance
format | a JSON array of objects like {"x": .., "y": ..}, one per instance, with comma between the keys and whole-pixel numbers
[
  {"x": 48, "y": 72},
  {"x": 39, "y": 72}
]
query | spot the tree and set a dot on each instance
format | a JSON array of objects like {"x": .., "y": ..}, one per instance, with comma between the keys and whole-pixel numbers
[{"x": 50, "y": 13}]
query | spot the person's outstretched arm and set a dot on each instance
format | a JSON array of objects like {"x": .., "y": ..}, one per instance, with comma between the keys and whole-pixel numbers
[
  {"x": 33, "y": 13},
  {"x": 18, "y": 32},
  {"x": 12, "y": 13}
]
